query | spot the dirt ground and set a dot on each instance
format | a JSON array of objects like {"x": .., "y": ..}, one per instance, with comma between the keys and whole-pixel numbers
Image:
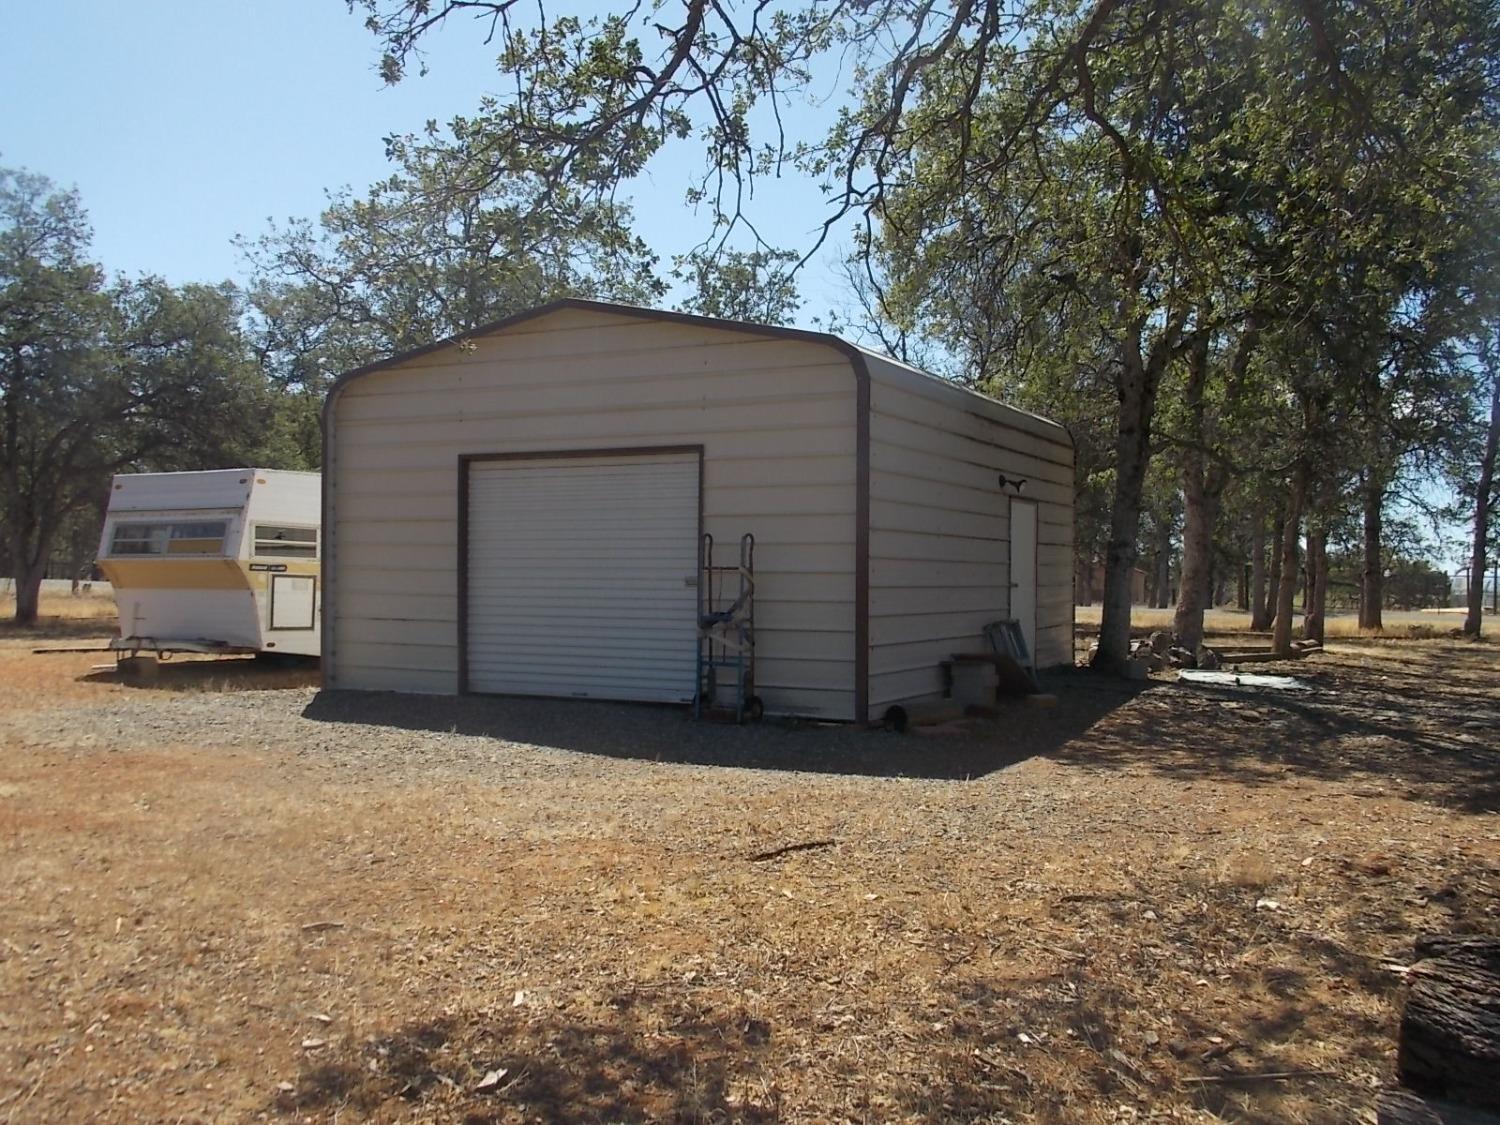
[{"x": 228, "y": 897}]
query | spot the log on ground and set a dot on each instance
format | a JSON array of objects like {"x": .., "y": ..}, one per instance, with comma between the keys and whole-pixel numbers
[
  {"x": 1450, "y": 1029},
  {"x": 1402, "y": 1107}
]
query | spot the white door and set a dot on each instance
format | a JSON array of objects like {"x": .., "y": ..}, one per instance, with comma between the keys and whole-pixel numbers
[
  {"x": 1023, "y": 569},
  {"x": 293, "y": 601},
  {"x": 582, "y": 575}
]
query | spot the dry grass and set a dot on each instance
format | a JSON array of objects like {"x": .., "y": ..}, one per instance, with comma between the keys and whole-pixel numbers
[
  {"x": 91, "y": 606},
  {"x": 1072, "y": 939},
  {"x": 62, "y": 615}
]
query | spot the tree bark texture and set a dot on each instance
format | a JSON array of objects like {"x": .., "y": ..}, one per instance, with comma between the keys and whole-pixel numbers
[
  {"x": 1161, "y": 566},
  {"x": 1372, "y": 576},
  {"x": 1083, "y": 581},
  {"x": 1286, "y": 593},
  {"x": 1483, "y": 497},
  {"x": 1450, "y": 1029},
  {"x": 1194, "y": 589},
  {"x": 1132, "y": 452},
  {"x": 1159, "y": 573},
  {"x": 1402, "y": 1107},
  {"x": 29, "y": 562},
  {"x": 1139, "y": 381},
  {"x": 1265, "y": 613},
  {"x": 1200, "y": 505},
  {"x": 1317, "y": 584},
  {"x": 1258, "y": 567}
]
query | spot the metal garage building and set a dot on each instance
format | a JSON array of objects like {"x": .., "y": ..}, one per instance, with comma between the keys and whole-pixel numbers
[{"x": 518, "y": 511}]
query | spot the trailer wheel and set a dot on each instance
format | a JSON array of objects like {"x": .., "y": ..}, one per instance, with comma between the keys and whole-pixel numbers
[{"x": 754, "y": 709}]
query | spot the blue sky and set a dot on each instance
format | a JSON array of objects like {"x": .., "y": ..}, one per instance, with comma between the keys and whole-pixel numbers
[{"x": 185, "y": 122}]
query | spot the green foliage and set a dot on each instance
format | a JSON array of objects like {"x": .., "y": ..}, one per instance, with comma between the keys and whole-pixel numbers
[
  {"x": 96, "y": 380},
  {"x": 755, "y": 285},
  {"x": 426, "y": 254},
  {"x": 1316, "y": 186}
]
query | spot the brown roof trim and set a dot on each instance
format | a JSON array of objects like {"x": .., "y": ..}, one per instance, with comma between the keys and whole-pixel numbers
[{"x": 639, "y": 312}]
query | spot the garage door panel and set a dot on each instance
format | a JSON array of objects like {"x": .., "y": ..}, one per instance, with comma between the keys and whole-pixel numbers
[{"x": 580, "y": 577}]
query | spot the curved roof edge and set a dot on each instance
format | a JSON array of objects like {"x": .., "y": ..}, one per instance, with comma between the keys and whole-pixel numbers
[{"x": 857, "y": 355}]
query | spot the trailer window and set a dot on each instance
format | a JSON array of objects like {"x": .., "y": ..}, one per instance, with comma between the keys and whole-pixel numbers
[
  {"x": 198, "y": 537},
  {"x": 286, "y": 542}
]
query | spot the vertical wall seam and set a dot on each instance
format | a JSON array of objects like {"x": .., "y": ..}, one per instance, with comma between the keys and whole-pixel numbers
[
  {"x": 463, "y": 574},
  {"x": 861, "y": 539}
]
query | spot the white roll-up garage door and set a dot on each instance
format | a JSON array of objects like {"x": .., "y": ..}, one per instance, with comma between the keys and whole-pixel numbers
[{"x": 582, "y": 576}]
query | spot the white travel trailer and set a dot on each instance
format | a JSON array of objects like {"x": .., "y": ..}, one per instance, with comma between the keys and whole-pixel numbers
[{"x": 223, "y": 561}]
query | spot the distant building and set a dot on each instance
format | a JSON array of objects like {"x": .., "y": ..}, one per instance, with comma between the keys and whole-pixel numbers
[{"x": 1458, "y": 589}]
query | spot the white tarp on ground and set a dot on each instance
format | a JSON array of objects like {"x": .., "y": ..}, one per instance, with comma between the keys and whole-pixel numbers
[{"x": 1250, "y": 681}]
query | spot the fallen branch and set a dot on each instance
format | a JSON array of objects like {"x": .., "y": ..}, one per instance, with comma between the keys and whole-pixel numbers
[
  {"x": 315, "y": 927},
  {"x": 1268, "y": 1076},
  {"x": 761, "y": 857}
]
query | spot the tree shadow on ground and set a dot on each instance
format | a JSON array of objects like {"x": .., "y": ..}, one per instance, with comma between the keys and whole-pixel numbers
[
  {"x": 668, "y": 734},
  {"x": 686, "y": 1063},
  {"x": 1179, "y": 1018},
  {"x": 1427, "y": 732}
]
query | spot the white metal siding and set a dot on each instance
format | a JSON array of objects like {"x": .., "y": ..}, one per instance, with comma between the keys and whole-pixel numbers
[
  {"x": 580, "y": 577},
  {"x": 939, "y": 528},
  {"x": 1023, "y": 552},
  {"x": 776, "y": 417},
  {"x": 156, "y": 492}
]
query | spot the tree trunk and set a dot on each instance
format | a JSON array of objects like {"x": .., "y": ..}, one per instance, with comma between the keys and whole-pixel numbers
[
  {"x": 1266, "y": 614},
  {"x": 1450, "y": 1028},
  {"x": 1139, "y": 380},
  {"x": 1257, "y": 605},
  {"x": 1286, "y": 593},
  {"x": 1083, "y": 581},
  {"x": 1132, "y": 452},
  {"x": 1161, "y": 565},
  {"x": 1483, "y": 496},
  {"x": 28, "y": 578},
  {"x": 1402, "y": 1107},
  {"x": 1194, "y": 590},
  {"x": 1200, "y": 507},
  {"x": 1317, "y": 570},
  {"x": 30, "y": 548},
  {"x": 1372, "y": 577}
]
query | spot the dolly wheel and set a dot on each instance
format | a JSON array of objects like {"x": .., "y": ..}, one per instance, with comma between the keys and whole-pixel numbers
[{"x": 754, "y": 709}]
